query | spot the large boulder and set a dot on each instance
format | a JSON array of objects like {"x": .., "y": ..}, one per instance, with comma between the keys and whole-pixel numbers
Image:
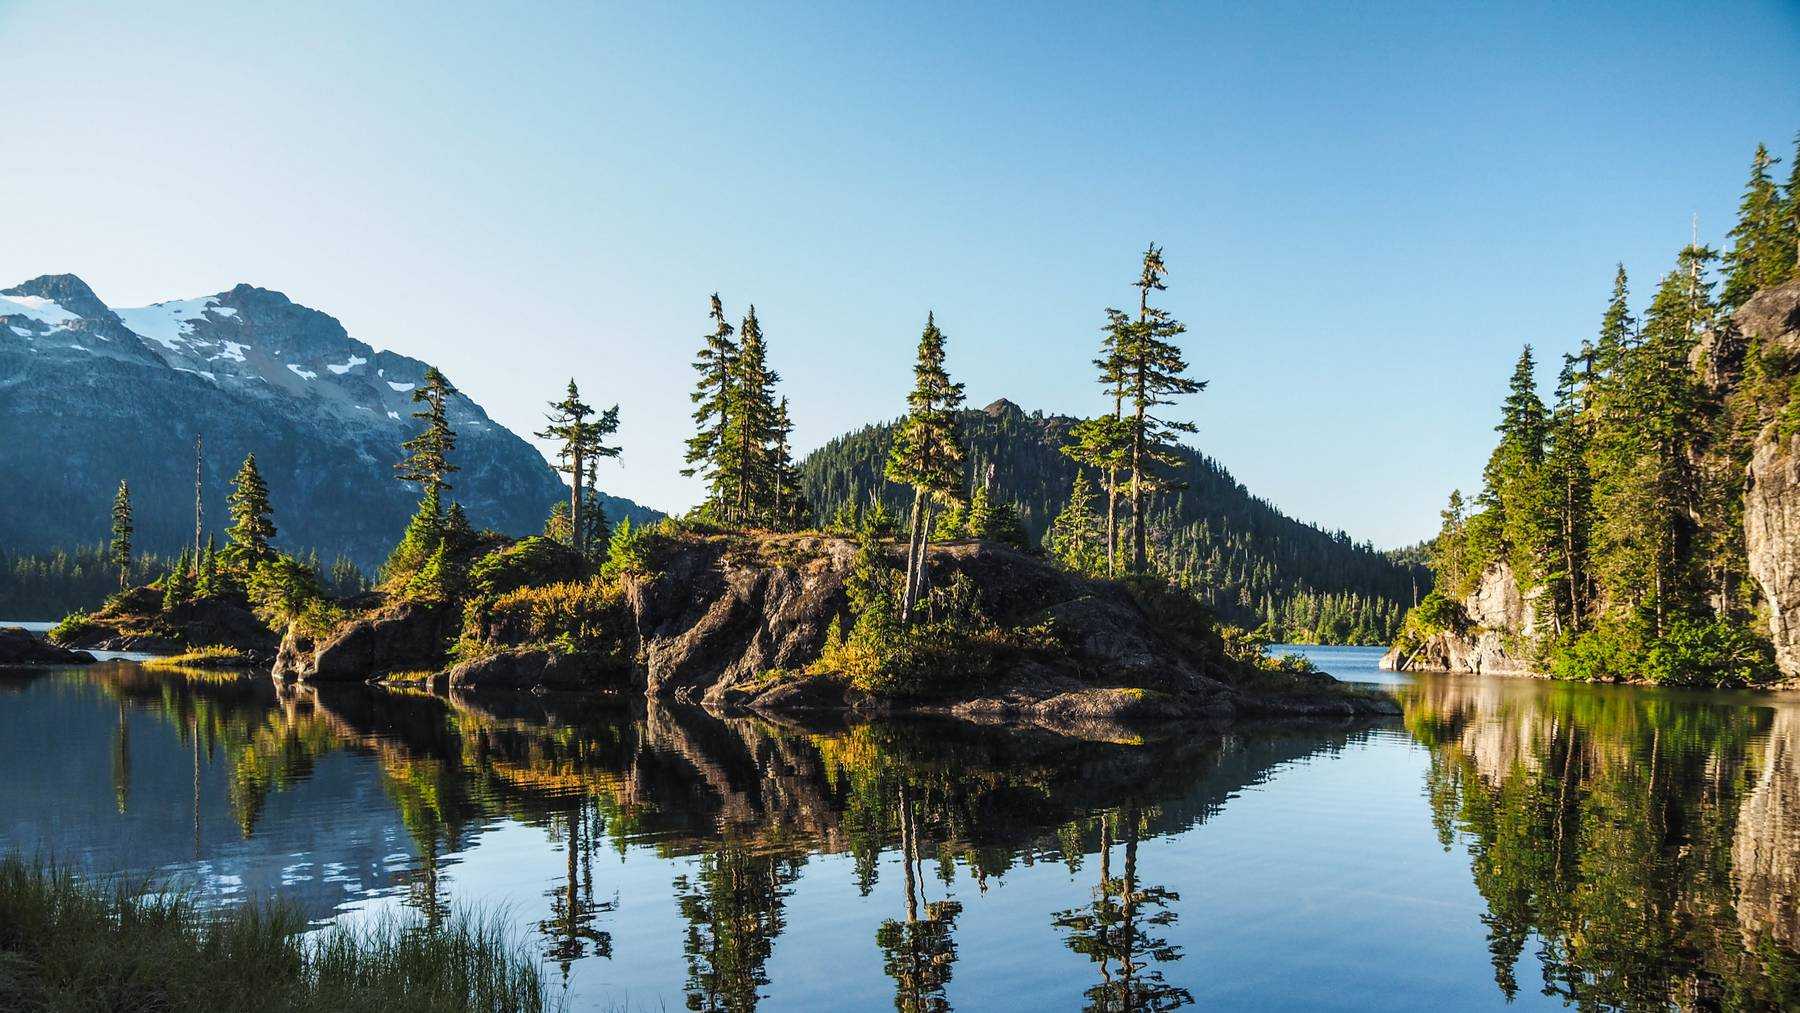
[
  {"x": 403, "y": 636},
  {"x": 537, "y": 668},
  {"x": 19, "y": 647}
]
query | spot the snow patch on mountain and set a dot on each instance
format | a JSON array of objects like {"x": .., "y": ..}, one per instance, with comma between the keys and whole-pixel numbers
[
  {"x": 169, "y": 323},
  {"x": 355, "y": 361},
  {"x": 45, "y": 311},
  {"x": 404, "y": 387},
  {"x": 307, "y": 374}
]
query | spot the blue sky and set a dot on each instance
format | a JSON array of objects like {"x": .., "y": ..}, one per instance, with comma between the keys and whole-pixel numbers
[{"x": 1365, "y": 211}]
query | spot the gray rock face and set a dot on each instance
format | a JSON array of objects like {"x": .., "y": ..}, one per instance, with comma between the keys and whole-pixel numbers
[
  {"x": 1772, "y": 538},
  {"x": 90, "y": 395},
  {"x": 1772, "y": 485},
  {"x": 534, "y": 668},
  {"x": 1503, "y": 625}
]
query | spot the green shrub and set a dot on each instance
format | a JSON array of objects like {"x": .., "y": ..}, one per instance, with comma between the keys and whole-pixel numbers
[
  {"x": 627, "y": 553},
  {"x": 283, "y": 590},
  {"x": 591, "y": 618},
  {"x": 529, "y": 561},
  {"x": 1709, "y": 651},
  {"x": 73, "y": 625}
]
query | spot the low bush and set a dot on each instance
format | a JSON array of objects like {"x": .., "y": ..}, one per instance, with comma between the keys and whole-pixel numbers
[
  {"x": 529, "y": 561},
  {"x": 73, "y": 626},
  {"x": 589, "y": 617}
]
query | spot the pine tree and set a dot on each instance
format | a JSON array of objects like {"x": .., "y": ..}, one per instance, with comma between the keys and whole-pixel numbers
[
  {"x": 1075, "y": 537},
  {"x": 427, "y": 460},
  {"x": 207, "y": 581},
  {"x": 747, "y": 474},
  {"x": 1791, "y": 212},
  {"x": 1762, "y": 252},
  {"x": 120, "y": 549},
  {"x": 250, "y": 530},
  {"x": 177, "y": 583},
  {"x": 926, "y": 453},
  {"x": 1569, "y": 488},
  {"x": 1104, "y": 444},
  {"x": 582, "y": 436},
  {"x": 790, "y": 509},
  {"x": 717, "y": 365},
  {"x": 1154, "y": 372}
]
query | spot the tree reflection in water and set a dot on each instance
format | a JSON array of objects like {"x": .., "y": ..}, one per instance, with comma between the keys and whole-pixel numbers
[
  {"x": 1603, "y": 824},
  {"x": 1633, "y": 849}
]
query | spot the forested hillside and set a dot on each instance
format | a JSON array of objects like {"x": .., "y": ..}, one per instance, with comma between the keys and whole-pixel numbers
[{"x": 1253, "y": 564}]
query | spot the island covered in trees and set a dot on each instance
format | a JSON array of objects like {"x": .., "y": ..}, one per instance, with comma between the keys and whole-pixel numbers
[{"x": 754, "y": 600}]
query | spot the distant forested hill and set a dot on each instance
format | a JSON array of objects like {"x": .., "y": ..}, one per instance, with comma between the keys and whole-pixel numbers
[{"x": 1254, "y": 564}]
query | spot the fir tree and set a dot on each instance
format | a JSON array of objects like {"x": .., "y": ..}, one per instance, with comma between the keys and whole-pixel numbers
[
  {"x": 717, "y": 365},
  {"x": 790, "y": 508},
  {"x": 1569, "y": 487},
  {"x": 1762, "y": 252},
  {"x": 1154, "y": 372},
  {"x": 177, "y": 583},
  {"x": 206, "y": 581},
  {"x": 250, "y": 530},
  {"x": 120, "y": 549},
  {"x": 747, "y": 475},
  {"x": 427, "y": 460},
  {"x": 926, "y": 453},
  {"x": 1075, "y": 537},
  {"x": 582, "y": 437}
]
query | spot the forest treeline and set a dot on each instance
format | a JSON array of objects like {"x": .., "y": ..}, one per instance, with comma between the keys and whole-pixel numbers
[
  {"x": 1252, "y": 564},
  {"x": 1619, "y": 504}
]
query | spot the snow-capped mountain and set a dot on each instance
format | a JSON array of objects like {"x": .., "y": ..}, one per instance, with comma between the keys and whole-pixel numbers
[{"x": 91, "y": 394}]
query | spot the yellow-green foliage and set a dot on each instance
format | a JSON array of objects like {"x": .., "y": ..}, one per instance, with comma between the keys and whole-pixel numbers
[
  {"x": 215, "y": 656},
  {"x": 590, "y": 617},
  {"x": 72, "y": 626}
]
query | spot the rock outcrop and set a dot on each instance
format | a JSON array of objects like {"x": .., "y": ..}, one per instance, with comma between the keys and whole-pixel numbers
[
  {"x": 136, "y": 621},
  {"x": 1497, "y": 638},
  {"x": 19, "y": 647},
  {"x": 727, "y": 622},
  {"x": 1772, "y": 482},
  {"x": 400, "y": 637}
]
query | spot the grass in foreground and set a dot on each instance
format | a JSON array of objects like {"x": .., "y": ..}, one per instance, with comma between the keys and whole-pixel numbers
[
  {"x": 66, "y": 945},
  {"x": 216, "y": 656}
]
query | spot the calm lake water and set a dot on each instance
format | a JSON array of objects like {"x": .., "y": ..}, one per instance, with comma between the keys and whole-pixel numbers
[{"x": 1507, "y": 844}]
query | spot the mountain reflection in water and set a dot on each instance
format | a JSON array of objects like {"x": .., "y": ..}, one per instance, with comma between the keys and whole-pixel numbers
[{"x": 1509, "y": 843}]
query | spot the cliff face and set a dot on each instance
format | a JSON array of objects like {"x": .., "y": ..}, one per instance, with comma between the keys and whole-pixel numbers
[
  {"x": 1772, "y": 484},
  {"x": 1502, "y": 626}
]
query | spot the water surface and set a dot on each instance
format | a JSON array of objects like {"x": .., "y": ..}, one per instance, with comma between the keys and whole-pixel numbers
[{"x": 1507, "y": 844}]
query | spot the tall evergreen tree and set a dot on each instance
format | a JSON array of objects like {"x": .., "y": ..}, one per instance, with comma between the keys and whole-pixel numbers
[
  {"x": 250, "y": 530},
  {"x": 748, "y": 474},
  {"x": 427, "y": 460},
  {"x": 717, "y": 365},
  {"x": 1762, "y": 251},
  {"x": 1154, "y": 372},
  {"x": 582, "y": 437},
  {"x": 119, "y": 553},
  {"x": 790, "y": 499},
  {"x": 1569, "y": 487},
  {"x": 926, "y": 453}
]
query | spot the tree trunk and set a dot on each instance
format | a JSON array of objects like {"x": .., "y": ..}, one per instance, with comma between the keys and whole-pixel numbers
[
  {"x": 575, "y": 499},
  {"x": 919, "y": 583},
  {"x": 1112, "y": 520},
  {"x": 1138, "y": 559},
  {"x": 907, "y": 597}
]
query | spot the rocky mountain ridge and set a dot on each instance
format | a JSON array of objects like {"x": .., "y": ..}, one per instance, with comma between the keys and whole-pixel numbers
[{"x": 91, "y": 394}]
